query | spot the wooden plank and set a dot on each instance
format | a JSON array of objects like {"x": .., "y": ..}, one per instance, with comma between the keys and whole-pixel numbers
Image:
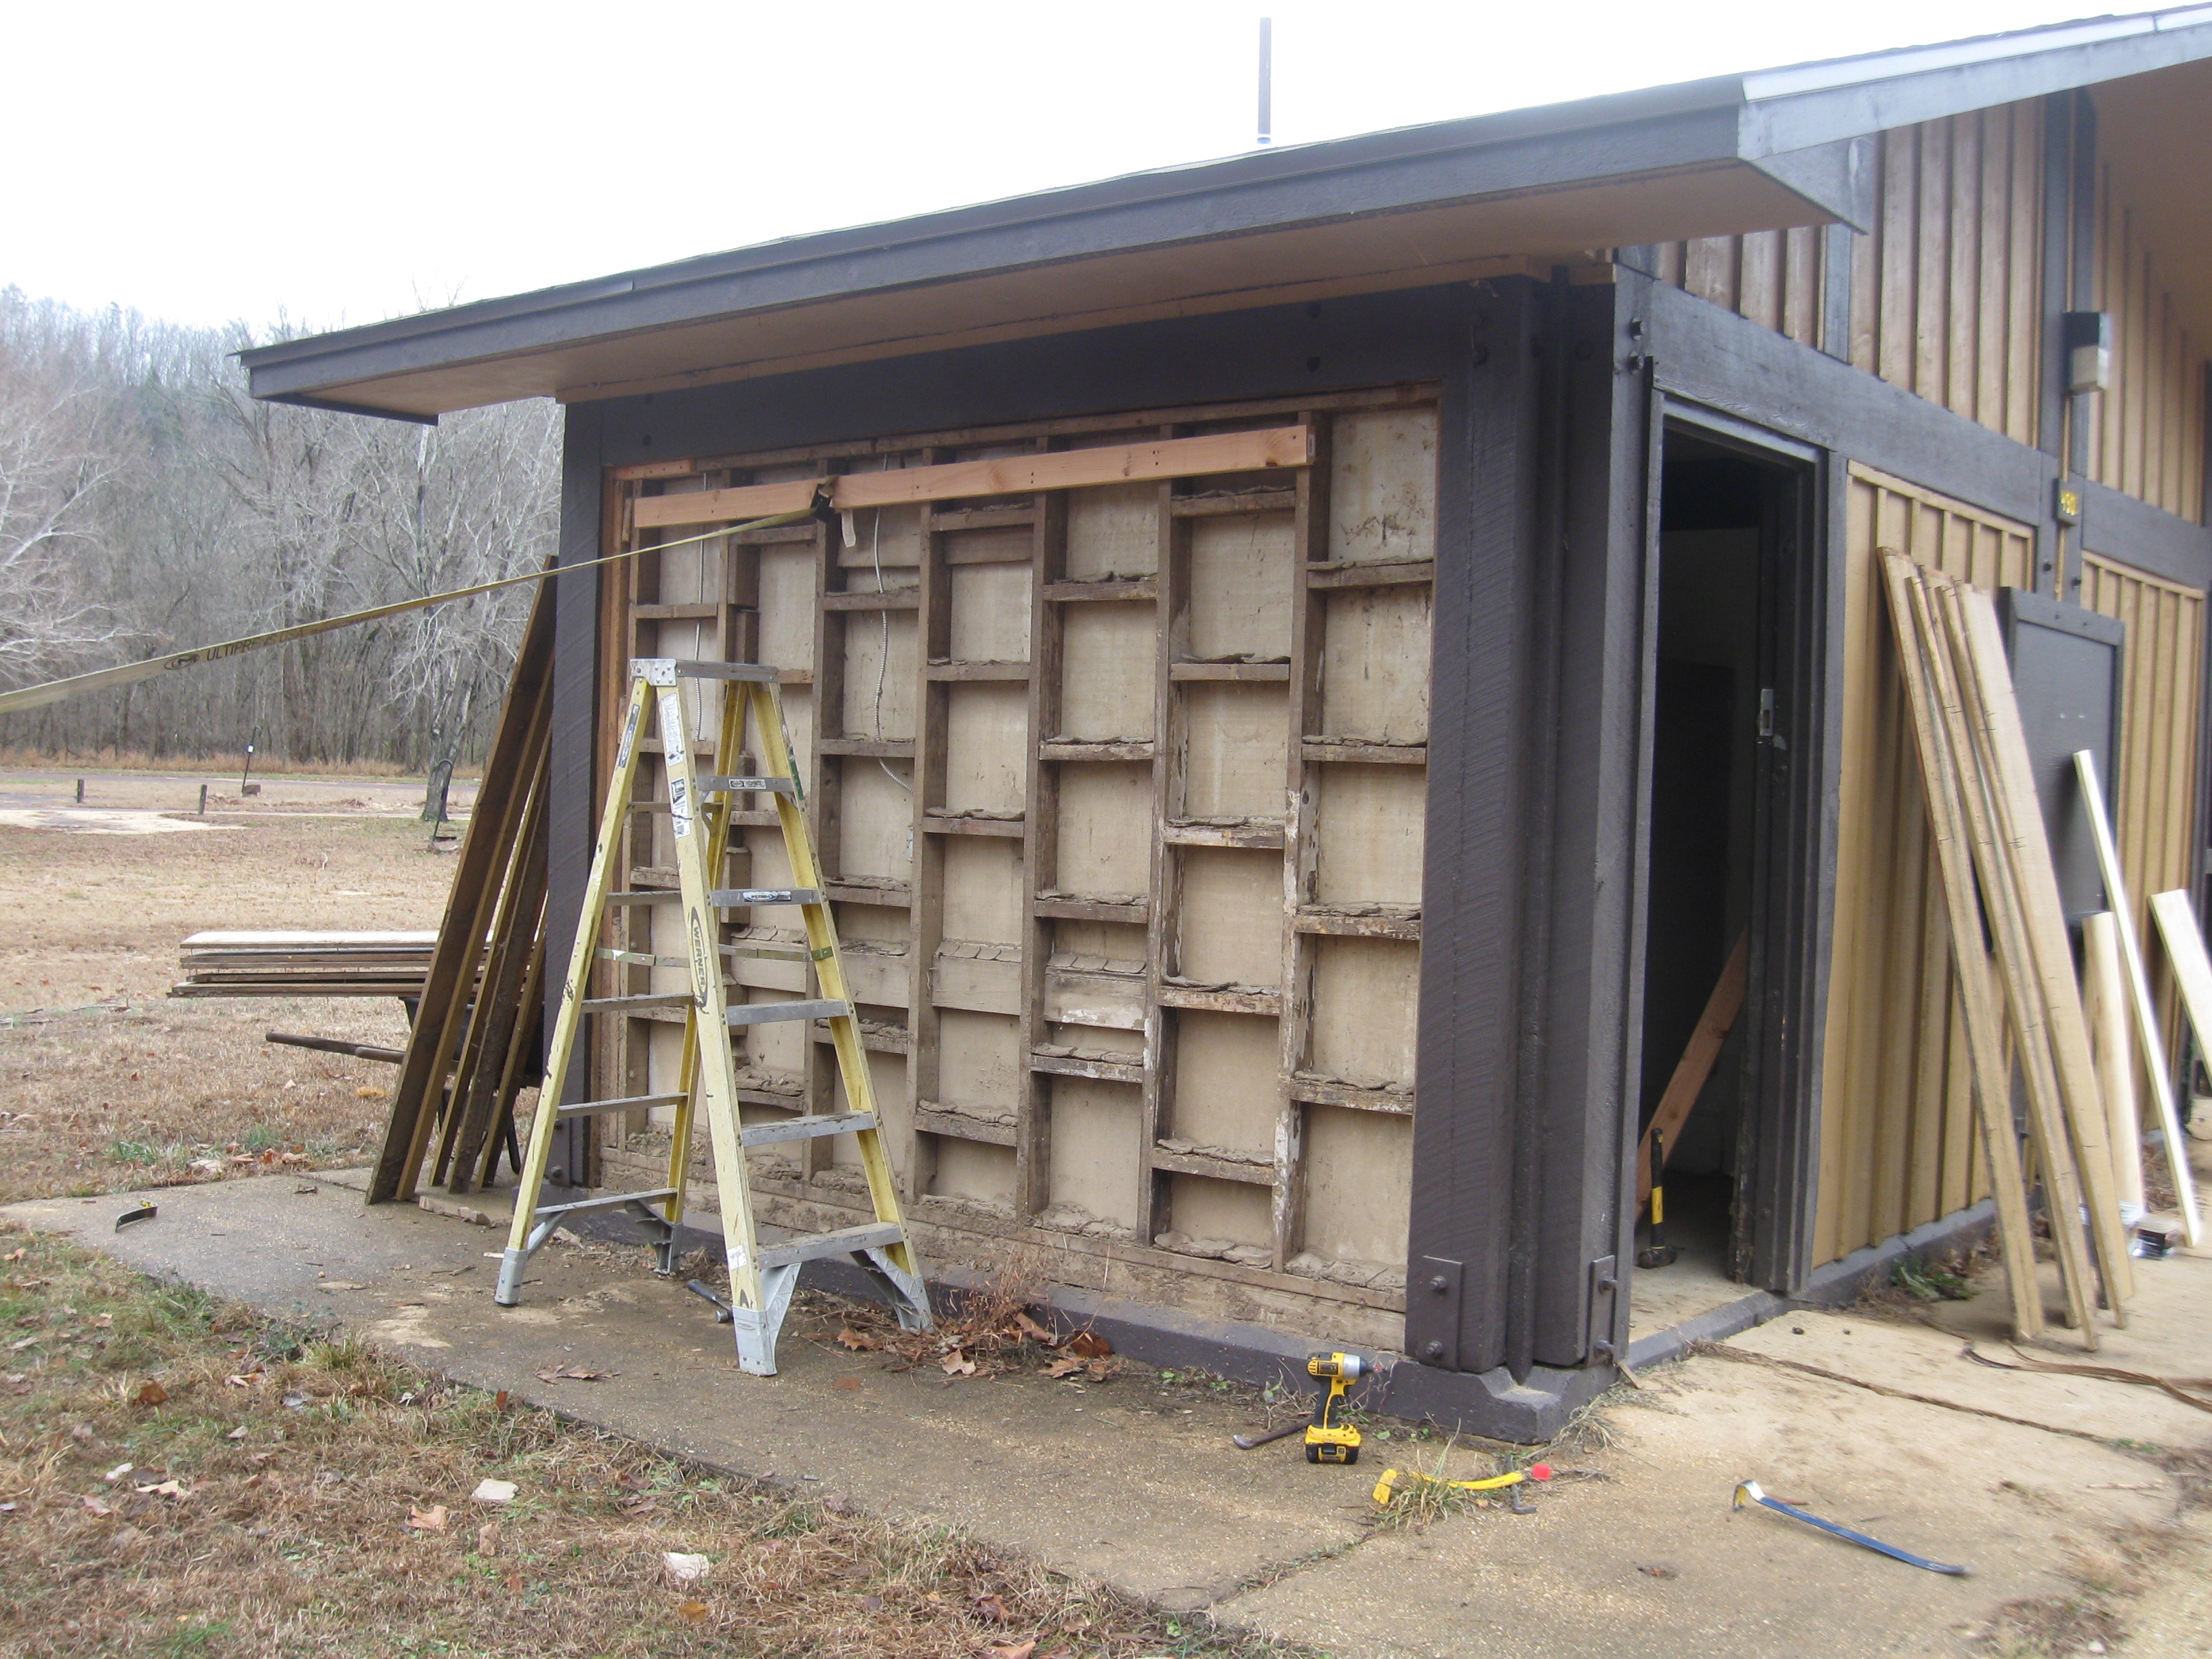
[
  {"x": 1214, "y": 1169},
  {"x": 1267, "y": 837},
  {"x": 2012, "y": 777},
  {"x": 970, "y": 673},
  {"x": 1287, "y": 1214},
  {"x": 940, "y": 823},
  {"x": 894, "y": 598},
  {"x": 2184, "y": 950},
  {"x": 1221, "y": 1002},
  {"x": 1155, "y": 1107},
  {"x": 1326, "y": 1091},
  {"x": 1133, "y": 587},
  {"x": 1954, "y": 688},
  {"x": 1066, "y": 749},
  {"x": 1074, "y": 468},
  {"x": 1249, "y": 673},
  {"x": 2104, "y": 1003},
  {"x": 1912, "y": 627},
  {"x": 1371, "y": 575},
  {"x": 2146, "y": 1018},
  {"x": 1033, "y": 1134},
  {"x": 722, "y": 506},
  {"x": 1695, "y": 1064},
  {"x": 1366, "y": 754},
  {"x": 1331, "y": 924},
  {"x": 1070, "y": 909},
  {"x": 1102, "y": 1071}
]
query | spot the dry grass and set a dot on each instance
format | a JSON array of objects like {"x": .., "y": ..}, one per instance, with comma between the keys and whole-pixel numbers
[
  {"x": 321, "y": 1505},
  {"x": 106, "y": 1083},
  {"x": 138, "y": 760}
]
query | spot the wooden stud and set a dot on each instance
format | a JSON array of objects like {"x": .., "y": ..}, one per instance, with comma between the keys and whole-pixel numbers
[
  {"x": 1171, "y": 744},
  {"x": 1032, "y": 1137}
]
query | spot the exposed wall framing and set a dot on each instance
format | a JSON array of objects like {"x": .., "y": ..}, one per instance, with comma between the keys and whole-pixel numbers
[
  {"x": 1897, "y": 1137},
  {"x": 1119, "y": 791}
]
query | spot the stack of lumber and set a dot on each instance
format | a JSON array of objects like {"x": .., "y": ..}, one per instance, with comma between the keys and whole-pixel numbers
[
  {"x": 2018, "y": 996},
  {"x": 476, "y": 1041},
  {"x": 305, "y": 964}
]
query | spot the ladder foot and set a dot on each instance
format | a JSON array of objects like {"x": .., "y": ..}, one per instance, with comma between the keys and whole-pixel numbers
[
  {"x": 661, "y": 1235},
  {"x": 509, "y": 1289},
  {"x": 757, "y": 1328},
  {"x": 909, "y": 1297}
]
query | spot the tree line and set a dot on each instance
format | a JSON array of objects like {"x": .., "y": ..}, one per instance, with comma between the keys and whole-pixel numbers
[{"x": 148, "y": 505}]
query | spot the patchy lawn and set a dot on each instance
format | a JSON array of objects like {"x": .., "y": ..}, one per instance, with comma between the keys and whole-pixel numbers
[
  {"x": 180, "y": 1477},
  {"x": 106, "y": 1082}
]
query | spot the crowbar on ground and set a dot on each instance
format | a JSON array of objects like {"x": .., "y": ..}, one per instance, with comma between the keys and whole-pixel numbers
[{"x": 1749, "y": 1489}]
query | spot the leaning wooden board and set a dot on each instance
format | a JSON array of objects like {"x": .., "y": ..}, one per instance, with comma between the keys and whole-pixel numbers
[{"x": 2193, "y": 971}]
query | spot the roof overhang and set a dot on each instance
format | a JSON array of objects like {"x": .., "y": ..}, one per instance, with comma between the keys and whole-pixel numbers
[{"x": 1419, "y": 205}]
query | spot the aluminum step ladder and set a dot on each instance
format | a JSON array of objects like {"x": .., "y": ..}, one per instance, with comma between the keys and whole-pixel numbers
[{"x": 761, "y": 1277}]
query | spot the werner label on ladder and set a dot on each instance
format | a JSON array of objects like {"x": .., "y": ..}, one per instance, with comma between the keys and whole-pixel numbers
[{"x": 761, "y": 1277}]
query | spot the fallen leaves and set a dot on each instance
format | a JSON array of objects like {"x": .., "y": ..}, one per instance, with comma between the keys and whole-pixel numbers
[
  {"x": 430, "y": 1520},
  {"x": 118, "y": 1472},
  {"x": 151, "y": 1393},
  {"x": 161, "y": 1489},
  {"x": 849, "y": 1338},
  {"x": 572, "y": 1373},
  {"x": 848, "y": 1384},
  {"x": 488, "y": 1539},
  {"x": 695, "y": 1612},
  {"x": 1012, "y": 1649},
  {"x": 1087, "y": 1344},
  {"x": 954, "y": 1362},
  {"x": 98, "y": 1507}
]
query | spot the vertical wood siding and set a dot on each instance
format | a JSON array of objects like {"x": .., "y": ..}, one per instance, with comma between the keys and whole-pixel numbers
[
  {"x": 2146, "y": 432},
  {"x": 1896, "y": 1143},
  {"x": 1945, "y": 291},
  {"x": 2153, "y": 796}
]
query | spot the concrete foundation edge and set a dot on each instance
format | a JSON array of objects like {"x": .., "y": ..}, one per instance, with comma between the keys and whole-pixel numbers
[{"x": 1491, "y": 1404}]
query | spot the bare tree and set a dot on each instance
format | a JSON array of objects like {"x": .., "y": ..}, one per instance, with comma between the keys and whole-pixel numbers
[{"x": 50, "y": 470}]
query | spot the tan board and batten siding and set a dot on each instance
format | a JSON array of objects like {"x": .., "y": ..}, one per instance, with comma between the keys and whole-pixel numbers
[
  {"x": 1897, "y": 1142},
  {"x": 1121, "y": 792},
  {"x": 1946, "y": 299}
]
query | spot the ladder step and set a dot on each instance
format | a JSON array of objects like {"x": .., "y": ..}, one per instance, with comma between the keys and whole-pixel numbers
[
  {"x": 739, "y": 898},
  {"x": 631, "y": 1103},
  {"x": 647, "y": 999},
  {"x": 806, "y": 1128},
  {"x": 715, "y": 783},
  {"x": 767, "y": 1013},
  {"x": 612, "y": 1201},
  {"x": 687, "y": 669},
  {"x": 813, "y": 1247},
  {"x": 650, "y": 895},
  {"x": 748, "y": 952}
]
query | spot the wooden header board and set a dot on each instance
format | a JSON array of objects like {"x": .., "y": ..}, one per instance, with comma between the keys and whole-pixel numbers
[{"x": 1004, "y": 475}]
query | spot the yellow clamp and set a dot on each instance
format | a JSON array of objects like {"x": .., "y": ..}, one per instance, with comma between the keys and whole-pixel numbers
[{"x": 1384, "y": 1488}]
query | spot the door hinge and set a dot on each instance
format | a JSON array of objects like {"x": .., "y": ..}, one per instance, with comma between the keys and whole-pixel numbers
[
  {"x": 1767, "y": 734},
  {"x": 1604, "y": 1304}
]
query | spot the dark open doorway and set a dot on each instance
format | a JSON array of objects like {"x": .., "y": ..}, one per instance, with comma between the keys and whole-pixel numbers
[{"x": 1722, "y": 880}]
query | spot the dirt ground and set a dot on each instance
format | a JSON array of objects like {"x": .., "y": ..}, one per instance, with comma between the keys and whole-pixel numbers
[{"x": 106, "y": 1081}]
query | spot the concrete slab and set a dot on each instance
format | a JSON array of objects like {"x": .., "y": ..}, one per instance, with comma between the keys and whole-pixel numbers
[
  {"x": 1137, "y": 1485},
  {"x": 1119, "y": 1481}
]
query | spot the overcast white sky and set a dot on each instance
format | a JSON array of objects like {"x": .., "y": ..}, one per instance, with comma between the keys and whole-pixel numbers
[{"x": 346, "y": 162}]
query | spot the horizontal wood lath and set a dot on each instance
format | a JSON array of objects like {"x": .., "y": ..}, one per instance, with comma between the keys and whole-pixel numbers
[
  {"x": 2147, "y": 431},
  {"x": 999, "y": 475},
  {"x": 1897, "y": 1142}
]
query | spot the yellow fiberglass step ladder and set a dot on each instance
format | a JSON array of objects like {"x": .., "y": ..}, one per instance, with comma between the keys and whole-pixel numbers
[{"x": 762, "y": 1276}]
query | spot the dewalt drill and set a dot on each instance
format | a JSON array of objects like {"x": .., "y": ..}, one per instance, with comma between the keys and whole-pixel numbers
[{"x": 1329, "y": 1440}]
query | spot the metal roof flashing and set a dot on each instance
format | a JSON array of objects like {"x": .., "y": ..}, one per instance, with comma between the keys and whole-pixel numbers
[{"x": 1770, "y": 149}]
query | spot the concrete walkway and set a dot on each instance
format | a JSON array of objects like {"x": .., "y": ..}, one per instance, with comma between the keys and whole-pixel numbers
[{"x": 1135, "y": 1482}]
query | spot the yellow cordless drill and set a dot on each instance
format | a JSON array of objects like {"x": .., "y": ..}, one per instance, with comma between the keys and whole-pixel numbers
[{"x": 1329, "y": 1440}]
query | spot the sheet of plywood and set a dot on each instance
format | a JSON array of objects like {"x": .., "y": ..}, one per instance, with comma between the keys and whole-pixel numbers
[
  {"x": 1230, "y": 927},
  {"x": 890, "y": 536},
  {"x": 877, "y": 978},
  {"x": 1107, "y": 671},
  {"x": 990, "y": 610},
  {"x": 986, "y": 747},
  {"x": 879, "y": 676},
  {"x": 1236, "y": 738},
  {"x": 971, "y": 1171},
  {"x": 1374, "y": 664},
  {"x": 787, "y": 606},
  {"x": 1369, "y": 832},
  {"x": 1383, "y": 486},
  {"x": 875, "y": 818},
  {"x": 1211, "y": 1213},
  {"x": 1095, "y": 1154},
  {"x": 1105, "y": 817},
  {"x": 1227, "y": 1083},
  {"x": 1358, "y": 1186},
  {"x": 980, "y": 977},
  {"x": 979, "y": 1060},
  {"x": 1093, "y": 1000},
  {"x": 1112, "y": 531},
  {"x": 983, "y": 889},
  {"x": 1366, "y": 992},
  {"x": 1017, "y": 470},
  {"x": 1101, "y": 1039},
  {"x": 1241, "y": 571}
]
